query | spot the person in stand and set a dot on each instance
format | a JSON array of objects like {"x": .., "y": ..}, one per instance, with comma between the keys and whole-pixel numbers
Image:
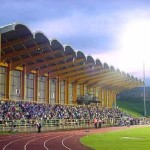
[
  {"x": 99, "y": 123},
  {"x": 12, "y": 126},
  {"x": 39, "y": 127},
  {"x": 95, "y": 122}
]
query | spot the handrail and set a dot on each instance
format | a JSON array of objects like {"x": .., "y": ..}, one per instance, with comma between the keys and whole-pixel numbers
[{"x": 55, "y": 124}]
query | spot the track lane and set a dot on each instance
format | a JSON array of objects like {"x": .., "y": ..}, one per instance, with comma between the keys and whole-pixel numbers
[
  {"x": 45, "y": 142},
  {"x": 10, "y": 144},
  {"x": 63, "y": 140}
]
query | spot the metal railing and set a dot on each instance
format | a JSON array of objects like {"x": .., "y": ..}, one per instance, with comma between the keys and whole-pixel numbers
[
  {"x": 62, "y": 124},
  {"x": 52, "y": 124}
]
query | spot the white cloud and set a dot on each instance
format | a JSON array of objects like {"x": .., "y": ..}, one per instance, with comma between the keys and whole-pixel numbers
[
  {"x": 116, "y": 59},
  {"x": 113, "y": 25},
  {"x": 77, "y": 24}
]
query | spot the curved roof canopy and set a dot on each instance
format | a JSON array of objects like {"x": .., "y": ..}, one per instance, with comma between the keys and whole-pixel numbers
[{"x": 21, "y": 47}]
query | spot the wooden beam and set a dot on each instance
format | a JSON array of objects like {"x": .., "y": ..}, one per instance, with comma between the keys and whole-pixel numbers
[
  {"x": 22, "y": 51},
  {"x": 86, "y": 75},
  {"x": 66, "y": 91},
  {"x": 15, "y": 42},
  {"x": 24, "y": 61},
  {"x": 66, "y": 70},
  {"x": 3, "y": 64},
  {"x": 123, "y": 80},
  {"x": 100, "y": 75},
  {"x": 45, "y": 62},
  {"x": 47, "y": 91},
  {"x": 36, "y": 87},
  {"x": 74, "y": 93},
  {"x": 119, "y": 85},
  {"x": 23, "y": 84},
  {"x": 105, "y": 83},
  {"x": 86, "y": 71},
  {"x": 8, "y": 81},
  {"x": 57, "y": 100},
  {"x": 105, "y": 79},
  {"x": 55, "y": 60}
]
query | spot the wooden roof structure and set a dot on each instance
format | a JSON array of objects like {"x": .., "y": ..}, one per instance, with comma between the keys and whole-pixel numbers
[{"x": 21, "y": 47}]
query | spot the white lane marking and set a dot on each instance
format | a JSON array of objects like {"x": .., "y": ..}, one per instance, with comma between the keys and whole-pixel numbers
[
  {"x": 25, "y": 146},
  {"x": 16, "y": 141},
  {"x": 9, "y": 137},
  {"x": 64, "y": 140},
  {"x": 49, "y": 140},
  {"x": 14, "y": 136},
  {"x": 132, "y": 138}
]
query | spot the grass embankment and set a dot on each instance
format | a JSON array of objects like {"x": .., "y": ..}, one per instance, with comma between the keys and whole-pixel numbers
[
  {"x": 134, "y": 106},
  {"x": 128, "y": 139}
]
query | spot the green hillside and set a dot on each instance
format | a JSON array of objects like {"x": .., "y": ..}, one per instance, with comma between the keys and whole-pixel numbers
[{"x": 135, "y": 106}]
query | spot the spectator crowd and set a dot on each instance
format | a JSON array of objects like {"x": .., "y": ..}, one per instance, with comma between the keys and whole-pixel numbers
[{"x": 27, "y": 111}]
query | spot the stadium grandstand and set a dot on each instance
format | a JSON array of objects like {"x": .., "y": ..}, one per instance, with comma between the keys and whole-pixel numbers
[
  {"x": 36, "y": 68},
  {"x": 43, "y": 80}
]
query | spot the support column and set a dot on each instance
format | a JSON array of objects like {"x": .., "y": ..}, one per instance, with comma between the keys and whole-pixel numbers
[
  {"x": 94, "y": 90},
  {"x": 111, "y": 99},
  {"x": 85, "y": 89},
  {"x": 114, "y": 99},
  {"x": 82, "y": 89},
  {"x": 107, "y": 98},
  {"x": 66, "y": 91},
  {"x": 0, "y": 46},
  {"x": 8, "y": 81},
  {"x": 23, "y": 84},
  {"x": 36, "y": 87},
  {"x": 57, "y": 100},
  {"x": 88, "y": 90},
  {"x": 47, "y": 91},
  {"x": 74, "y": 93},
  {"x": 100, "y": 96}
]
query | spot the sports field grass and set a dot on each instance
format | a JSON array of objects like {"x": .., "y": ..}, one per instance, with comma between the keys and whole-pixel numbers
[{"x": 128, "y": 139}]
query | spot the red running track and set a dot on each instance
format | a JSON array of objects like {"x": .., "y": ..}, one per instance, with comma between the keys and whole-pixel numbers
[{"x": 64, "y": 140}]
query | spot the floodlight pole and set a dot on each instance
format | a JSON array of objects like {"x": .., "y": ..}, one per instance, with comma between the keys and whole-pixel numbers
[
  {"x": 144, "y": 89},
  {"x": 0, "y": 46}
]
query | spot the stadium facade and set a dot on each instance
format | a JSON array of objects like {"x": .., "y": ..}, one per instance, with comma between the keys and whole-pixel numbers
[{"x": 34, "y": 68}]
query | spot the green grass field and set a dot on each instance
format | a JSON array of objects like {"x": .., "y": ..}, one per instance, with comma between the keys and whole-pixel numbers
[
  {"x": 128, "y": 139},
  {"x": 135, "y": 106}
]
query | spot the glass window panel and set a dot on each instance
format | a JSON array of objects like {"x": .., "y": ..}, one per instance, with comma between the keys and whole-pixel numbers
[
  {"x": 30, "y": 86},
  {"x": 85, "y": 90},
  {"x": 70, "y": 93},
  {"x": 2, "y": 79},
  {"x": 62, "y": 92},
  {"x": 15, "y": 84},
  {"x": 52, "y": 91}
]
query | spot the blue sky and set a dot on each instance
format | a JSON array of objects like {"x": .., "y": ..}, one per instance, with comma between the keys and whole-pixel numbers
[{"x": 114, "y": 31}]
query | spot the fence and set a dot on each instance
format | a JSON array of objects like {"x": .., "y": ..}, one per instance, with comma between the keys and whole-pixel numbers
[{"x": 52, "y": 124}]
